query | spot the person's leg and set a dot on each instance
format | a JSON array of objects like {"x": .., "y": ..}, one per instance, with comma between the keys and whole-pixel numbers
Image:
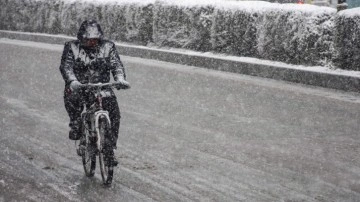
[
  {"x": 74, "y": 107},
  {"x": 110, "y": 104}
]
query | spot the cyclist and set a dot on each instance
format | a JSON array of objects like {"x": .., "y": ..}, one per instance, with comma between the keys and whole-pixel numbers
[{"x": 91, "y": 59}]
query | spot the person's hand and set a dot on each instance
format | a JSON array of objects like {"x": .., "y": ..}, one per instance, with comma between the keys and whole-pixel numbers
[
  {"x": 74, "y": 86},
  {"x": 122, "y": 84}
]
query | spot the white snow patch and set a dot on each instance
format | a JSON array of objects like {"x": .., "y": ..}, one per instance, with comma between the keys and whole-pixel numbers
[
  {"x": 117, "y": 2},
  {"x": 261, "y": 6},
  {"x": 247, "y": 5},
  {"x": 2, "y": 182},
  {"x": 221, "y": 4},
  {"x": 350, "y": 13}
]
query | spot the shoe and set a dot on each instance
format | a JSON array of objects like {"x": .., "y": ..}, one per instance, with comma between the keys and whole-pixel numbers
[
  {"x": 111, "y": 159},
  {"x": 115, "y": 162},
  {"x": 81, "y": 148},
  {"x": 74, "y": 134}
]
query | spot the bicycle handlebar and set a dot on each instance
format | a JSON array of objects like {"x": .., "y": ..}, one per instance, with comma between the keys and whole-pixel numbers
[{"x": 112, "y": 85}]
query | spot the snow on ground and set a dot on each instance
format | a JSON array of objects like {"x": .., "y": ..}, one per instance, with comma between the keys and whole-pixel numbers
[
  {"x": 320, "y": 69},
  {"x": 232, "y": 140}
]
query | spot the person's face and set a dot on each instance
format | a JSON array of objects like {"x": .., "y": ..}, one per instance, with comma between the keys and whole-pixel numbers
[{"x": 91, "y": 43}]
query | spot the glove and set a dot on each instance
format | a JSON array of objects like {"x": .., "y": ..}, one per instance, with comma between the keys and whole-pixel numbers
[
  {"x": 74, "y": 86},
  {"x": 122, "y": 84}
]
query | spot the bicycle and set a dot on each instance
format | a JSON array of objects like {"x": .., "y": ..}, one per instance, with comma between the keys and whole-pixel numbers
[{"x": 95, "y": 138}]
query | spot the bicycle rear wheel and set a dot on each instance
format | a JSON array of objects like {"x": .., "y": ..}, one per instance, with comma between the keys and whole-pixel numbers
[
  {"x": 106, "y": 153},
  {"x": 88, "y": 149}
]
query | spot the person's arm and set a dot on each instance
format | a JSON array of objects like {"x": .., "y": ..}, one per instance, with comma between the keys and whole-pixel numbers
[
  {"x": 67, "y": 64},
  {"x": 117, "y": 67}
]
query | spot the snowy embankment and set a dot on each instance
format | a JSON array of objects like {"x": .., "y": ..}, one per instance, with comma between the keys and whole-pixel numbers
[{"x": 291, "y": 33}]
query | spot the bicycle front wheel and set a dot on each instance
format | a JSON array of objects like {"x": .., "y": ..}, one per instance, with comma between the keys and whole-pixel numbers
[
  {"x": 88, "y": 150},
  {"x": 106, "y": 153}
]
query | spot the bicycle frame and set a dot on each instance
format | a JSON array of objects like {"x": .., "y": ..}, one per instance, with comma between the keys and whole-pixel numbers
[
  {"x": 95, "y": 111},
  {"x": 96, "y": 124}
]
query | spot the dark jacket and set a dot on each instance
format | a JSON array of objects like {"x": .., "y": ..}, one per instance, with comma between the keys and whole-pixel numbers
[{"x": 90, "y": 65}]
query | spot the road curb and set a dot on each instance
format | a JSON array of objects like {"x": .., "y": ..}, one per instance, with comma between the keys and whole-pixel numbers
[{"x": 327, "y": 80}]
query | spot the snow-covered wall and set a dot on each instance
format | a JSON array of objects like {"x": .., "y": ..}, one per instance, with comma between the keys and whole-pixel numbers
[{"x": 297, "y": 34}]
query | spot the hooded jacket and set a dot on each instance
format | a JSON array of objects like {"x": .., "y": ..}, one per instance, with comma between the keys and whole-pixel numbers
[{"x": 85, "y": 65}]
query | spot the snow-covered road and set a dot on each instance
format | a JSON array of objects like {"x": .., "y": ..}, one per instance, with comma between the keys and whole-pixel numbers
[{"x": 187, "y": 134}]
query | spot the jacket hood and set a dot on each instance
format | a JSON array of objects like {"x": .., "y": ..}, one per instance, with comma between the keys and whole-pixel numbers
[{"x": 90, "y": 29}]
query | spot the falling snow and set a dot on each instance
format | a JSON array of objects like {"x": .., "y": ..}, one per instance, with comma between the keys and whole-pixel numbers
[{"x": 187, "y": 133}]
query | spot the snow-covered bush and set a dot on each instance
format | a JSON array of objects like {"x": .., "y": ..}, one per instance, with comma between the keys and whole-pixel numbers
[
  {"x": 129, "y": 21},
  {"x": 347, "y": 40},
  {"x": 139, "y": 23},
  {"x": 183, "y": 24},
  {"x": 234, "y": 28},
  {"x": 121, "y": 20},
  {"x": 15, "y": 14},
  {"x": 298, "y": 35}
]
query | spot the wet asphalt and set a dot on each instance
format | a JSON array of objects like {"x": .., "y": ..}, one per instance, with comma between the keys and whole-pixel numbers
[{"x": 187, "y": 134}]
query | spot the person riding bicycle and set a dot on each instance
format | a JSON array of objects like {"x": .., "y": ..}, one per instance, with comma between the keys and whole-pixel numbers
[{"x": 91, "y": 59}]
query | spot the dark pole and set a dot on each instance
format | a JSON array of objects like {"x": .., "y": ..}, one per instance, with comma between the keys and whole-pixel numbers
[{"x": 342, "y": 5}]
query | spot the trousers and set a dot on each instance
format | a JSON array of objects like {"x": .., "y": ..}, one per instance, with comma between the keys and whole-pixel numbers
[{"x": 75, "y": 103}]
